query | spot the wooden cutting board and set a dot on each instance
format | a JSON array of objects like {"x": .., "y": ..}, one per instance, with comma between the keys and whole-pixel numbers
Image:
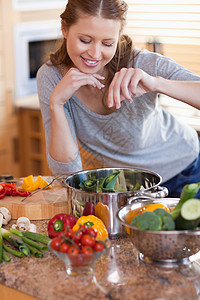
[{"x": 43, "y": 205}]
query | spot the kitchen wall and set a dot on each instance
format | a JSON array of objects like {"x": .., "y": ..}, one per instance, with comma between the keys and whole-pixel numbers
[{"x": 186, "y": 54}]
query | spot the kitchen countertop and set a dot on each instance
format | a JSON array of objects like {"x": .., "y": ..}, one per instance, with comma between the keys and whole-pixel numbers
[{"x": 119, "y": 275}]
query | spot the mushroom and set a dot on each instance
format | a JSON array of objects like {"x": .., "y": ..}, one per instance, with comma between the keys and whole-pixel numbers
[
  {"x": 6, "y": 215},
  {"x": 23, "y": 223},
  {"x": 32, "y": 228},
  {"x": 1, "y": 220}
]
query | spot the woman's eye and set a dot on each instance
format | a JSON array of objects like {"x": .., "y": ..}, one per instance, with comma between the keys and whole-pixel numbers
[
  {"x": 108, "y": 45},
  {"x": 84, "y": 41}
]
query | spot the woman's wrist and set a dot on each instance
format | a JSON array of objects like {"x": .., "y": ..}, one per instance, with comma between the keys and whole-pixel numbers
[
  {"x": 159, "y": 84},
  {"x": 55, "y": 102}
]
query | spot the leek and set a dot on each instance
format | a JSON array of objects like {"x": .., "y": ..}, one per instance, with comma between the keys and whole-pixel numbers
[{"x": 109, "y": 182}]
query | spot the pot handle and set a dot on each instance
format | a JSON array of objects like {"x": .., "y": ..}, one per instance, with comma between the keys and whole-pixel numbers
[{"x": 159, "y": 192}]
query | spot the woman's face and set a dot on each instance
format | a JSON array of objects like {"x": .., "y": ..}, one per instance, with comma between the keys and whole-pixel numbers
[{"x": 92, "y": 42}]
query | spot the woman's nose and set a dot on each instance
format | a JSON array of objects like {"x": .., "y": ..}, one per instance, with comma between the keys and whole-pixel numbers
[{"x": 95, "y": 51}]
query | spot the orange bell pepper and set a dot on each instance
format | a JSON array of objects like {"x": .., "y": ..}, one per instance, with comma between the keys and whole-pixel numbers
[{"x": 94, "y": 222}]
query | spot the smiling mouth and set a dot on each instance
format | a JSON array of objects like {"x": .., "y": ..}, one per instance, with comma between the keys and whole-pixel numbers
[{"x": 90, "y": 62}]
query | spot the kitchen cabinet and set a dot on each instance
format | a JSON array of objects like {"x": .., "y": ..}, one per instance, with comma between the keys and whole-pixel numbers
[{"x": 32, "y": 149}]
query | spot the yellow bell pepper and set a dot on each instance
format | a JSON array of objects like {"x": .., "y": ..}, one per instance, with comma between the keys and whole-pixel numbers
[
  {"x": 102, "y": 212},
  {"x": 94, "y": 222},
  {"x": 29, "y": 184}
]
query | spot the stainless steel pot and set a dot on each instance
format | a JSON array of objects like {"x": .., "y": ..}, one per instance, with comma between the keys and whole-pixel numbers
[{"x": 111, "y": 202}]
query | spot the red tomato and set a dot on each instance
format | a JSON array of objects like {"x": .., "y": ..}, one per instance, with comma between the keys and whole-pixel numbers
[
  {"x": 98, "y": 247},
  {"x": 91, "y": 231},
  {"x": 77, "y": 236},
  {"x": 82, "y": 228},
  {"x": 64, "y": 247},
  {"x": 88, "y": 240},
  {"x": 73, "y": 250},
  {"x": 56, "y": 243},
  {"x": 70, "y": 234},
  {"x": 87, "y": 250}
]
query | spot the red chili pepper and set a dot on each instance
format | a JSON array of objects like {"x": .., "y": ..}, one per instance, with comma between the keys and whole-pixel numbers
[
  {"x": 23, "y": 193},
  {"x": 3, "y": 192},
  {"x": 89, "y": 209},
  {"x": 59, "y": 223},
  {"x": 10, "y": 189}
]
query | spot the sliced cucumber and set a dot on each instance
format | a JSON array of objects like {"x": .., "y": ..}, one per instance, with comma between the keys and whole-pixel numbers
[{"x": 190, "y": 210}]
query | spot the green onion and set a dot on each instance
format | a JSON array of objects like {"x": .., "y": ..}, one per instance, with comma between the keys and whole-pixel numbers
[
  {"x": 34, "y": 244},
  {"x": 14, "y": 252},
  {"x": 28, "y": 241},
  {"x": 16, "y": 241},
  {"x": 35, "y": 252},
  {"x": 6, "y": 257},
  {"x": 38, "y": 237},
  {"x": 28, "y": 238}
]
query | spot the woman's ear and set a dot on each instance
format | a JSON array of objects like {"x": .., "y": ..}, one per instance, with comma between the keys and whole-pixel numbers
[{"x": 64, "y": 31}]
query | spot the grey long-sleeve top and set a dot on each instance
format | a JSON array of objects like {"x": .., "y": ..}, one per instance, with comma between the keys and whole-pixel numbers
[{"x": 139, "y": 135}]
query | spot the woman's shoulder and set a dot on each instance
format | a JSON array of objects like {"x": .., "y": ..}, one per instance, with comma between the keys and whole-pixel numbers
[
  {"x": 47, "y": 70},
  {"x": 152, "y": 62},
  {"x": 143, "y": 57}
]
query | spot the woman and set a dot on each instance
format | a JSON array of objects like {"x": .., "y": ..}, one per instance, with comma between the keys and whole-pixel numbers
[{"x": 99, "y": 102}]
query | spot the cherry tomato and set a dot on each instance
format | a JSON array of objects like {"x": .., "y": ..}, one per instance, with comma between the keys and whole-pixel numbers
[
  {"x": 98, "y": 246},
  {"x": 73, "y": 250},
  {"x": 87, "y": 250},
  {"x": 88, "y": 240},
  {"x": 77, "y": 236},
  {"x": 91, "y": 231},
  {"x": 64, "y": 247},
  {"x": 70, "y": 234},
  {"x": 56, "y": 243},
  {"x": 82, "y": 228}
]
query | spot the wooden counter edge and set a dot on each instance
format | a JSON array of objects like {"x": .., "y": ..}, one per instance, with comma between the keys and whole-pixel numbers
[{"x": 7, "y": 293}]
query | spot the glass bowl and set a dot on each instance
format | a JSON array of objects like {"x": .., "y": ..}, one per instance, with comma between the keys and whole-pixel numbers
[{"x": 80, "y": 264}]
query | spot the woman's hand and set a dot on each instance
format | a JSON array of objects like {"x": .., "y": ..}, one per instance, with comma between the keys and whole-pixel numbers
[
  {"x": 129, "y": 83},
  {"x": 71, "y": 82}
]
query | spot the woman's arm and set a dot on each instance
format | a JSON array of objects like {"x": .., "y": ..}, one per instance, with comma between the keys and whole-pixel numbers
[
  {"x": 62, "y": 146},
  {"x": 185, "y": 91}
]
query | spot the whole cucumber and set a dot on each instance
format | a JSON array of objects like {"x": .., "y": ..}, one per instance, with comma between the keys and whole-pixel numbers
[
  {"x": 189, "y": 191},
  {"x": 189, "y": 216}
]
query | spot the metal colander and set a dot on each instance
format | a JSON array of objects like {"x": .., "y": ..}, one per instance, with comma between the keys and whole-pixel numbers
[{"x": 166, "y": 248}]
